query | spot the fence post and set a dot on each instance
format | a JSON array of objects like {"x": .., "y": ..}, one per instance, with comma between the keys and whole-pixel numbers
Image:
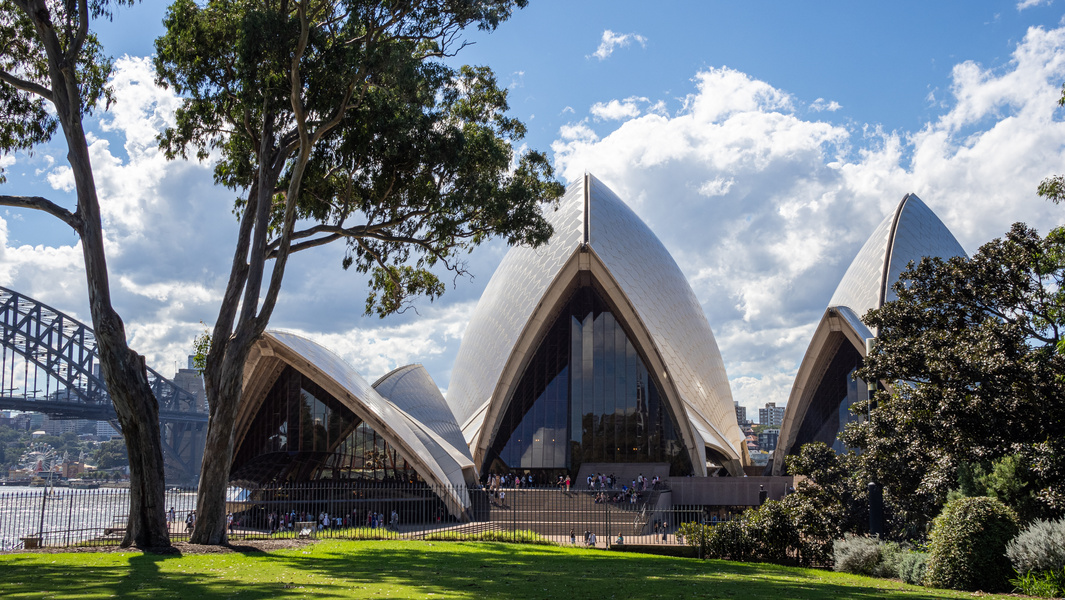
[
  {"x": 70, "y": 517},
  {"x": 606, "y": 507},
  {"x": 702, "y": 532}
]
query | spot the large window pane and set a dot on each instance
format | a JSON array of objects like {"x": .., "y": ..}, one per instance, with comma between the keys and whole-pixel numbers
[{"x": 585, "y": 396}]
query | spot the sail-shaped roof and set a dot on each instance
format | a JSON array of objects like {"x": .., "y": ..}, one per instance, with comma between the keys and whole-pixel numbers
[
  {"x": 597, "y": 232},
  {"x": 911, "y": 232},
  {"x": 425, "y": 445}
]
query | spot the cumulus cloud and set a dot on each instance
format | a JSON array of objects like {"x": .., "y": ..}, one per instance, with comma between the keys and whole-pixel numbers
[
  {"x": 61, "y": 178},
  {"x": 432, "y": 340},
  {"x": 764, "y": 209},
  {"x": 612, "y": 41},
  {"x": 762, "y": 205},
  {"x": 615, "y": 110},
  {"x": 1023, "y": 4},
  {"x": 821, "y": 104}
]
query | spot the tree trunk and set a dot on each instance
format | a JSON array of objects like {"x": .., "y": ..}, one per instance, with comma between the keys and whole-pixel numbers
[
  {"x": 123, "y": 369},
  {"x": 223, "y": 385},
  {"x": 138, "y": 415},
  {"x": 127, "y": 379}
]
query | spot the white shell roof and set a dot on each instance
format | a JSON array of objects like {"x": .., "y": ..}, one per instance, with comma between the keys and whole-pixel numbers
[
  {"x": 413, "y": 390},
  {"x": 508, "y": 300},
  {"x": 433, "y": 457},
  {"x": 910, "y": 233},
  {"x": 651, "y": 281}
]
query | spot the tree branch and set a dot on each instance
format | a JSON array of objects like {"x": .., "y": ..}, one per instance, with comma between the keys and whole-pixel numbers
[
  {"x": 44, "y": 205},
  {"x": 83, "y": 30},
  {"x": 26, "y": 86}
]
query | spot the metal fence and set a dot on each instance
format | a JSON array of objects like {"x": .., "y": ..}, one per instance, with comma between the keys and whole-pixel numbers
[{"x": 51, "y": 517}]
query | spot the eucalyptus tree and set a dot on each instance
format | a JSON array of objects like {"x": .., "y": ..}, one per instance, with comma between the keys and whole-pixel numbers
[
  {"x": 53, "y": 73},
  {"x": 340, "y": 121}
]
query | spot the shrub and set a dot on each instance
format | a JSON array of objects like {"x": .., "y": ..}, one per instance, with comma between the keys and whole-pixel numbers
[
  {"x": 730, "y": 540},
  {"x": 773, "y": 532},
  {"x": 891, "y": 554},
  {"x": 521, "y": 536},
  {"x": 856, "y": 554},
  {"x": 968, "y": 548},
  {"x": 766, "y": 533},
  {"x": 1040, "y": 547},
  {"x": 695, "y": 534},
  {"x": 1045, "y": 584},
  {"x": 912, "y": 567}
]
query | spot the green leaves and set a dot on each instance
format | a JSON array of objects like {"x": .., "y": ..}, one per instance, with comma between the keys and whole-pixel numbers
[
  {"x": 343, "y": 118},
  {"x": 26, "y": 81},
  {"x": 392, "y": 285},
  {"x": 973, "y": 350}
]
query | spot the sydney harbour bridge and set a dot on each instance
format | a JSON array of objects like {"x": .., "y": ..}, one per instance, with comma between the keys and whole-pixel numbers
[{"x": 49, "y": 364}]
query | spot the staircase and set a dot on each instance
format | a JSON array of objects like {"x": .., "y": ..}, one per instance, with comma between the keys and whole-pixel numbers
[{"x": 554, "y": 513}]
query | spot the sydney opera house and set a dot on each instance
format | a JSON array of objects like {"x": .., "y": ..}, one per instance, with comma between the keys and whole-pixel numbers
[
  {"x": 825, "y": 387},
  {"x": 589, "y": 353}
]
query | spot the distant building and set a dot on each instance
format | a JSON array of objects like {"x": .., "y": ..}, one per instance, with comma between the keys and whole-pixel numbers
[
  {"x": 760, "y": 458},
  {"x": 767, "y": 440},
  {"x": 36, "y": 419},
  {"x": 105, "y": 430},
  {"x": 741, "y": 413},
  {"x": 21, "y": 422},
  {"x": 771, "y": 415},
  {"x": 59, "y": 426},
  {"x": 191, "y": 381}
]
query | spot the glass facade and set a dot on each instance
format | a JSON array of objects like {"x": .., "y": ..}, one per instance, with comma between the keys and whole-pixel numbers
[
  {"x": 302, "y": 433},
  {"x": 586, "y": 396},
  {"x": 830, "y": 409}
]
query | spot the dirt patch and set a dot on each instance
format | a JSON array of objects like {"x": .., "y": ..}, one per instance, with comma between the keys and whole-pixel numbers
[{"x": 183, "y": 548}]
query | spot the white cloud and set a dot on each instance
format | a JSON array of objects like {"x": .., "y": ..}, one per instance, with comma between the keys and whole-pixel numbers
[
  {"x": 61, "y": 178},
  {"x": 821, "y": 104},
  {"x": 1023, "y": 4},
  {"x": 718, "y": 186},
  {"x": 517, "y": 80},
  {"x": 764, "y": 209},
  {"x": 432, "y": 337},
  {"x": 616, "y": 110},
  {"x": 6, "y": 160},
  {"x": 762, "y": 205},
  {"x": 612, "y": 41}
]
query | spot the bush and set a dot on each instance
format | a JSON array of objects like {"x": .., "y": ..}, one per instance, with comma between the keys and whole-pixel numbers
[
  {"x": 891, "y": 554},
  {"x": 766, "y": 533},
  {"x": 856, "y": 554},
  {"x": 968, "y": 548},
  {"x": 730, "y": 540},
  {"x": 912, "y": 567},
  {"x": 695, "y": 534},
  {"x": 1040, "y": 547},
  {"x": 1045, "y": 584},
  {"x": 773, "y": 531}
]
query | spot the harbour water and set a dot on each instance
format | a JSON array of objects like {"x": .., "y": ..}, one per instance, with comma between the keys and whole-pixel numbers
[{"x": 65, "y": 516}]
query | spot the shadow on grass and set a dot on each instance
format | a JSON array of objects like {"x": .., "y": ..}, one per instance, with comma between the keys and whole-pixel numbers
[
  {"x": 419, "y": 569},
  {"x": 488, "y": 570},
  {"x": 156, "y": 576}
]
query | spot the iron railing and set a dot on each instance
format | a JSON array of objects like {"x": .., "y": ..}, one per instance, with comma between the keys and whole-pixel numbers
[{"x": 59, "y": 517}]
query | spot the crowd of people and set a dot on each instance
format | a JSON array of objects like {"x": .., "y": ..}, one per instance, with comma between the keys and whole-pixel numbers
[{"x": 288, "y": 521}]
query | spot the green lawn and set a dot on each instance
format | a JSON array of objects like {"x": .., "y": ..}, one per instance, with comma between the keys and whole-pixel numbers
[{"x": 404, "y": 569}]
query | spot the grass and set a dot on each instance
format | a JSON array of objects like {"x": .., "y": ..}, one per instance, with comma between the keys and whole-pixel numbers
[{"x": 407, "y": 569}]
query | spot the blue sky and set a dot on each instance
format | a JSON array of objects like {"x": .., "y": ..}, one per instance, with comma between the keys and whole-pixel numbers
[{"x": 762, "y": 142}]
